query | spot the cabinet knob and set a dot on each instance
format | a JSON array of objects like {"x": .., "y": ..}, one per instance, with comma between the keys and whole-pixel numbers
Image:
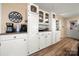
[
  {"x": 14, "y": 36},
  {"x": 24, "y": 39}
]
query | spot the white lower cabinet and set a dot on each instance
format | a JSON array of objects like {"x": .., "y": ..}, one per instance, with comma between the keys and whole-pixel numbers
[
  {"x": 45, "y": 39},
  {"x": 42, "y": 41},
  {"x": 13, "y": 47},
  {"x": 22, "y": 45},
  {"x": 3, "y": 50},
  {"x": 33, "y": 44},
  {"x": 57, "y": 36},
  {"x": 48, "y": 39},
  {"x": 53, "y": 39}
]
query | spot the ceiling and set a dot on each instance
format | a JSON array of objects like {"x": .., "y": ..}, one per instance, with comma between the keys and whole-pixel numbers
[{"x": 63, "y": 9}]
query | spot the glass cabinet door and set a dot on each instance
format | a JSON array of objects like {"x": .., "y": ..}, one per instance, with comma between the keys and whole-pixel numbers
[
  {"x": 41, "y": 16},
  {"x": 57, "y": 25},
  {"x": 46, "y": 18},
  {"x": 33, "y": 8}
]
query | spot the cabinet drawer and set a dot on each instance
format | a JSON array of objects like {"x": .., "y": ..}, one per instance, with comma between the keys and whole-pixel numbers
[{"x": 11, "y": 37}]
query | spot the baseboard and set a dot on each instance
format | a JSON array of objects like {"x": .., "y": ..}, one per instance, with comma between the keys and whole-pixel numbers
[{"x": 73, "y": 38}]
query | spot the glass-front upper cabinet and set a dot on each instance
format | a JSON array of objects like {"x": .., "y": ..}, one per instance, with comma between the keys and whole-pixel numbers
[
  {"x": 41, "y": 16},
  {"x": 46, "y": 18},
  {"x": 33, "y": 8},
  {"x": 57, "y": 25},
  {"x": 43, "y": 20}
]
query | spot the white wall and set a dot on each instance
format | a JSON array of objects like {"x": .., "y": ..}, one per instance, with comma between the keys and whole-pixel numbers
[{"x": 0, "y": 17}]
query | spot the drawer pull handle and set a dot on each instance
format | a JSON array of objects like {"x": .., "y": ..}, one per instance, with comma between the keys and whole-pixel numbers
[
  {"x": 45, "y": 36},
  {"x": 0, "y": 44},
  {"x": 39, "y": 38}
]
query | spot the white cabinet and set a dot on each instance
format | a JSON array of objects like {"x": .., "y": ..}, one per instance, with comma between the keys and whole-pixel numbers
[
  {"x": 57, "y": 36},
  {"x": 45, "y": 39},
  {"x": 53, "y": 38},
  {"x": 48, "y": 39},
  {"x": 32, "y": 8},
  {"x": 33, "y": 33},
  {"x": 33, "y": 42},
  {"x": 42, "y": 40},
  {"x": 13, "y": 46},
  {"x": 3, "y": 50},
  {"x": 58, "y": 31},
  {"x": 53, "y": 27}
]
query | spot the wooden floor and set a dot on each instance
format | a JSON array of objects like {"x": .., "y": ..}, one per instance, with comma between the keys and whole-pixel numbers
[{"x": 59, "y": 49}]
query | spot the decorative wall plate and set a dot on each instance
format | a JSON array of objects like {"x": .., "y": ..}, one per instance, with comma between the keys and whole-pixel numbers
[{"x": 15, "y": 17}]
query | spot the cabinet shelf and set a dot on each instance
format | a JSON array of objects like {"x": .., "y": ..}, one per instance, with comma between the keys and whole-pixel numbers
[{"x": 44, "y": 24}]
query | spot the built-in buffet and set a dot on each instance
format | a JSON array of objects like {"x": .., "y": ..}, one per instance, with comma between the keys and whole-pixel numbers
[{"x": 34, "y": 32}]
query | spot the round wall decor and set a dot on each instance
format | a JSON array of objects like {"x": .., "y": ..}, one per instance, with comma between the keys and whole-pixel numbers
[{"x": 15, "y": 17}]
